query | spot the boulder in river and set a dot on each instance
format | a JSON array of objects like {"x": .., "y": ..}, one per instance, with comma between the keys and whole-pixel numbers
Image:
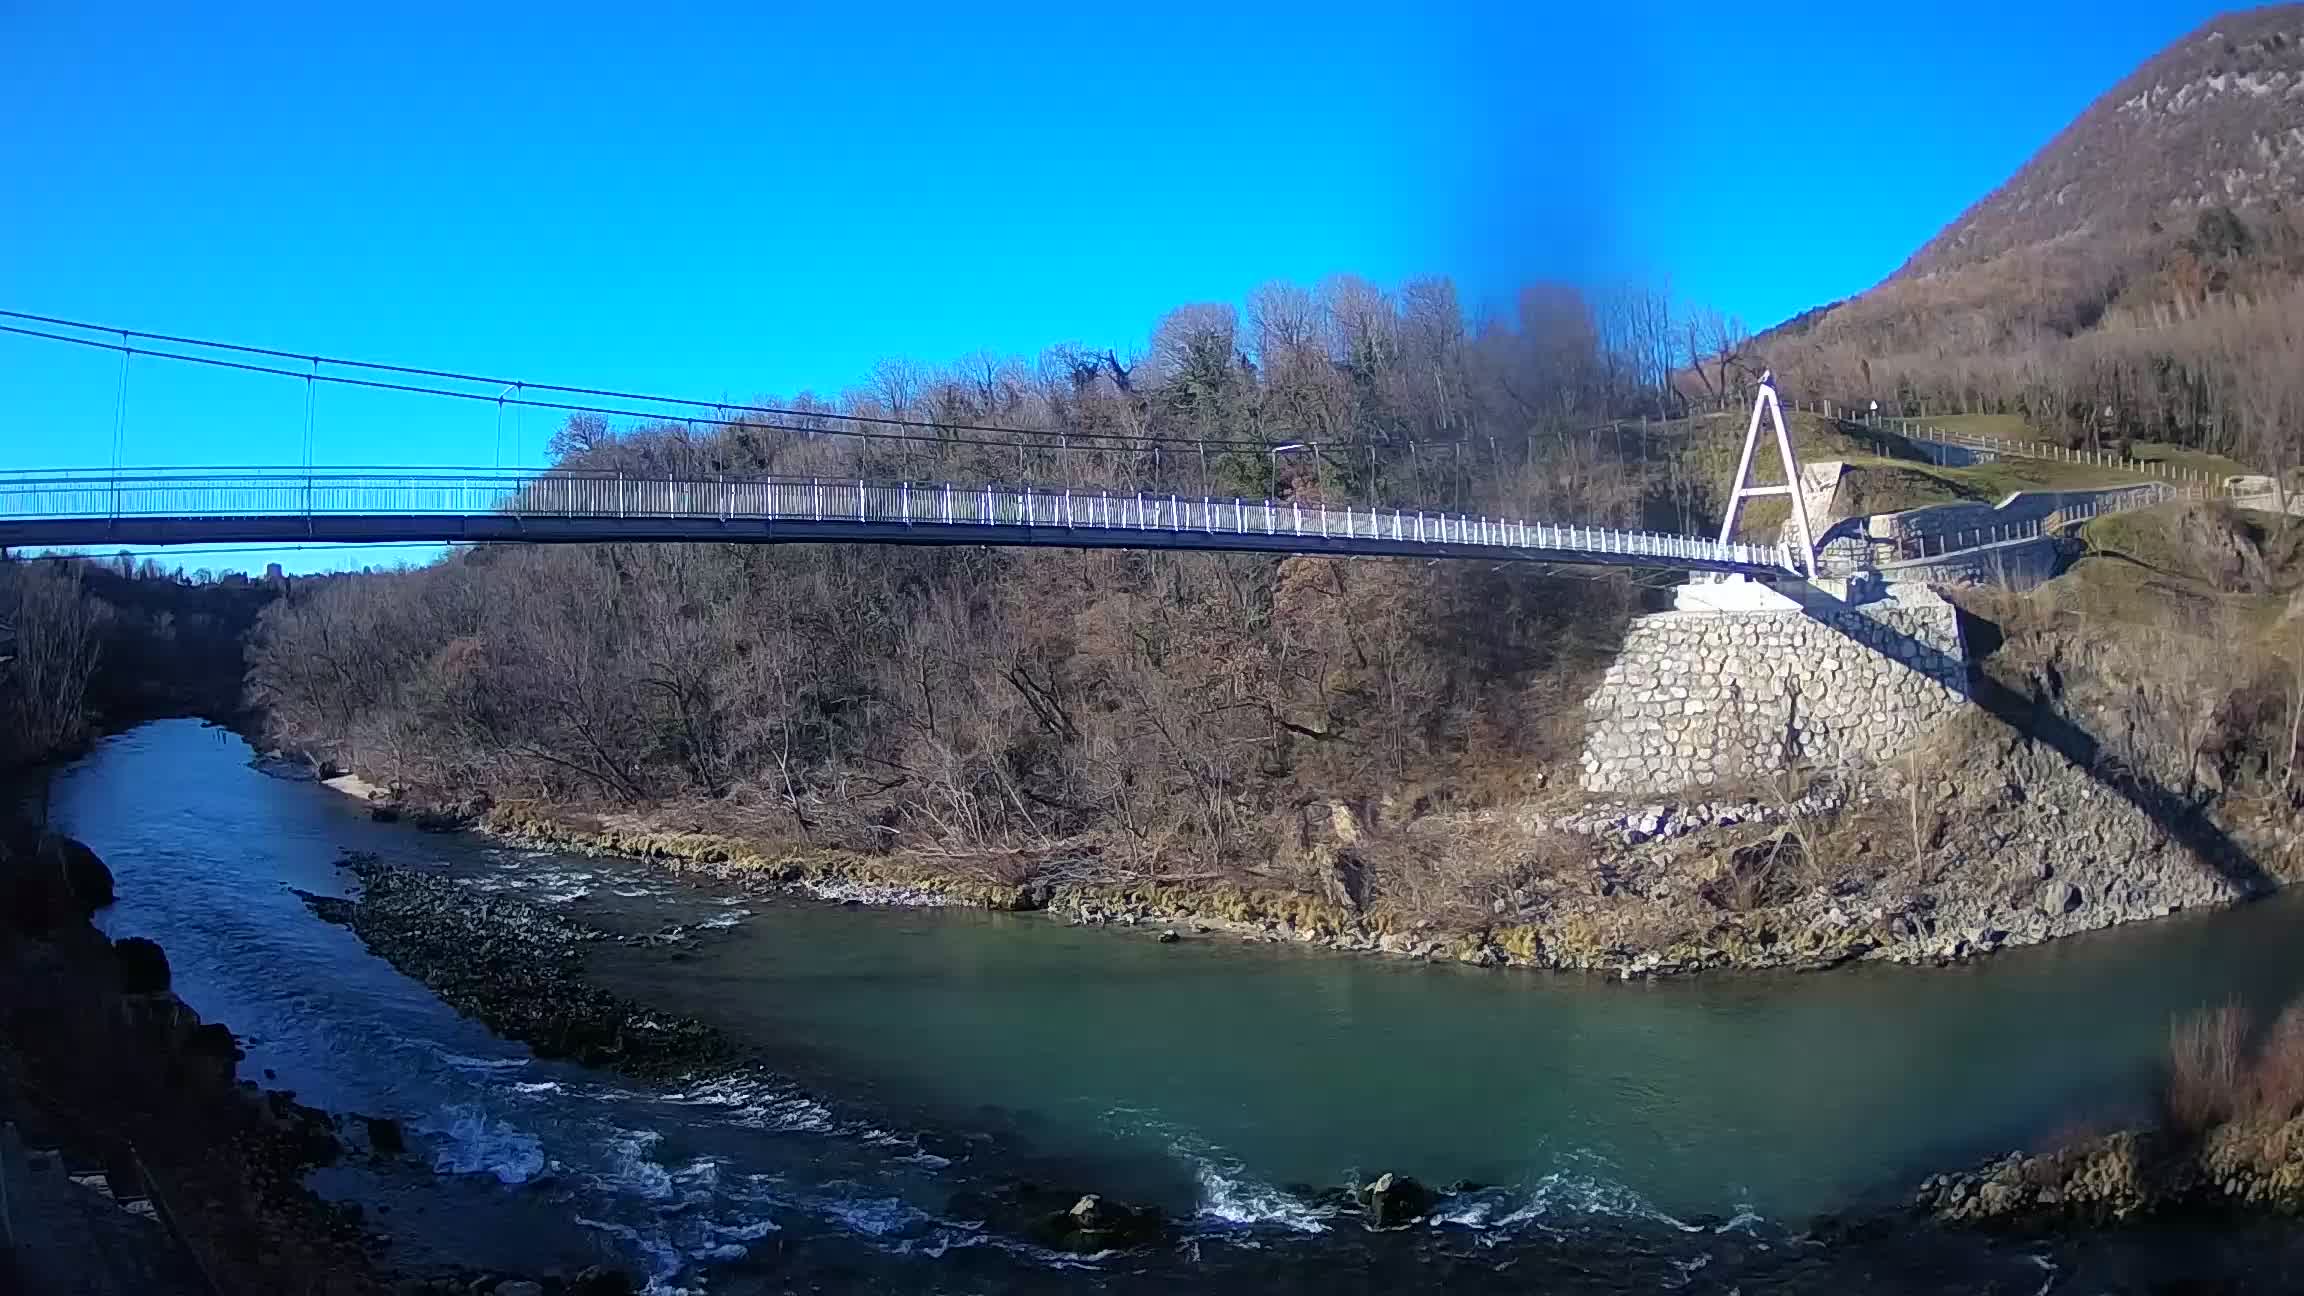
[
  {"x": 1060, "y": 1219},
  {"x": 143, "y": 966},
  {"x": 1391, "y": 1201},
  {"x": 83, "y": 871},
  {"x": 385, "y": 1137},
  {"x": 599, "y": 1280},
  {"x": 1094, "y": 1224},
  {"x": 49, "y": 881}
]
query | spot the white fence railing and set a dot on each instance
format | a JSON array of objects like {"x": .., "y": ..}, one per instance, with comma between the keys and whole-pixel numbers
[{"x": 1163, "y": 519}]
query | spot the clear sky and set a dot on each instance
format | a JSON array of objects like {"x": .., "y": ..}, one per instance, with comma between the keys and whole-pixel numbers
[{"x": 752, "y": 199}]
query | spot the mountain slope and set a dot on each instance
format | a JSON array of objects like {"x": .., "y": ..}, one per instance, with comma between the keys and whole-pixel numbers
[
  {"x": 2215, "y": 120},
  {"x": 2142, "y": 277}
]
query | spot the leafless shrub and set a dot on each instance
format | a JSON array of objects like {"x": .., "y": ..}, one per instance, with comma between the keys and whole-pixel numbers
[
  {"x": 2208, "y": 1069},
  {"x": 2278, "y": 1072}
]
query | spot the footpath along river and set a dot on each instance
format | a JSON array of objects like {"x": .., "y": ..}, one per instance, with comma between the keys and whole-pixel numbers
[{"x": 1676, "y": 1135}]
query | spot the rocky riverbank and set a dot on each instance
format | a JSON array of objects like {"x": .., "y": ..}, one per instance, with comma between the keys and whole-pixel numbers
[
  {"x": 519, "y": 969},
  {"x": 2244, "y": 1166},
  {"x": 1989, "y": 844},
  {"x": 102, "y": 1065}
]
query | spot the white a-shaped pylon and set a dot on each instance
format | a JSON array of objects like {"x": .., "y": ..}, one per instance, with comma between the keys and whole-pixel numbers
[{"x": 1765, "y": 403}]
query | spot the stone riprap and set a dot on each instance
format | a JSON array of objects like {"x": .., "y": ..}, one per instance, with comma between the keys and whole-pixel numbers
[{"x": 1698, "y": 698}]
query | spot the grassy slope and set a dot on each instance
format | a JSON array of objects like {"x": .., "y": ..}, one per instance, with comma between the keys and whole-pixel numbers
[
  {"x": 2203, "y": 571},
  {"x": 2012, "y": 427}
]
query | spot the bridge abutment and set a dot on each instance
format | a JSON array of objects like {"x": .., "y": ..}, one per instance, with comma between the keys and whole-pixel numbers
[{"x": 1755, "y": 683}]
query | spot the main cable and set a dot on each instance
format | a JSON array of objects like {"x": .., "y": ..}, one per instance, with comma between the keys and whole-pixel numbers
[
  {"x": 378, "y": 384},
  {"x": 603, "y": 393}
]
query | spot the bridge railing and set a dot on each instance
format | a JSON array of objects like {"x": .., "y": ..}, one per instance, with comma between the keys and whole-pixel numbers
[{"x": 273, "y": 492}]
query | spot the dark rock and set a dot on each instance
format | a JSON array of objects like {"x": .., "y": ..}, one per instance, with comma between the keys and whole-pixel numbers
[
  {"x": 599, "y": 1280},
  {"x": 143, "y": 966},
  {"x": 385, "y": 1136},
  {"x": 89, "y": 881},
  {"x": 1169, "y": 937},
  {"x": 48, "y": 881},
  {"x": 1395, "y": 1200},
  {"x": 1059, "y": 1219},
  {"x": 519, "y": 969},
  {"x": 1094, "y": 1224},
  {"x": 384, "y": 812}
]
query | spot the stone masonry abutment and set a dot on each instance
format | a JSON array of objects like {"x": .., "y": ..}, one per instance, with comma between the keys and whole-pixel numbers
[{"x": 1703, "y": 697}]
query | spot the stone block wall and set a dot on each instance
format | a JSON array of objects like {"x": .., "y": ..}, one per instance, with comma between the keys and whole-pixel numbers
[{"x": 1696, "y": 698}]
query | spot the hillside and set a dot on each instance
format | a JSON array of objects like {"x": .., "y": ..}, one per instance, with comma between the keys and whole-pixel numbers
[
  {"x": 2137, "y": 280},
  {"x": 2215, "y": 120}
]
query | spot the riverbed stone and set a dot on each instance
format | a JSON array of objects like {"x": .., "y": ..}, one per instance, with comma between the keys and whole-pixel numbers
[
  {"x": 1394, "y": 1200},
  {"x": 2058, "y": 897}
]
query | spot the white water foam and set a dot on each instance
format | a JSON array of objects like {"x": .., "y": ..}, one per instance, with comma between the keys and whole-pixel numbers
[
  {"x": 876, "y": 1217},
  {"x": 665, "y": 1263},
  {"x": 461, "y": 1062},
  {"x": 473, "y": 1142},
  {"x": 1687, "y": 1270},
  {"x": 755, "y": 1103},
  {"x": 1228, "y": 1195}
]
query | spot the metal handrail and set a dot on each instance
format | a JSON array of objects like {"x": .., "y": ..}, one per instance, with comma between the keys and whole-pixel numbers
[
  {"x": 1941, "y": 544},
  {"x": 867, "y": 505}
]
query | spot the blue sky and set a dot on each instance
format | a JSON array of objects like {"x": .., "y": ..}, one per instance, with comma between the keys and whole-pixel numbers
[{"x": 760, "y": 199}]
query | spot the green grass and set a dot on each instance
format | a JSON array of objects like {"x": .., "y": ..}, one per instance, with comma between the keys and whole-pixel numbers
[
  {"x": 2113, "y": 589},
  {"x": 2147, "y": 537},
  {"x": 2216, "y": 466},
  {"x": 2004, "y": 427}
]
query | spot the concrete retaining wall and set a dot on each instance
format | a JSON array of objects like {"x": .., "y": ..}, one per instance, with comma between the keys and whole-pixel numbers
[{"x": 2016, "y": 565}]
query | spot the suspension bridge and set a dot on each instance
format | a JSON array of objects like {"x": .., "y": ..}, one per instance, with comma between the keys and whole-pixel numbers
[
  {"x": 105, "y": 508},
  {"x": 117, "y": 506}
]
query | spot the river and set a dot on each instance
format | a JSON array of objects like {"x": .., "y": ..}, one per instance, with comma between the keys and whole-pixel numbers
[{"x": 1673, "y": 1135}]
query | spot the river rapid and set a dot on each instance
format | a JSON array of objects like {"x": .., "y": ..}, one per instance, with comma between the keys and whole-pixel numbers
[{"x": 1667, "y": 1136}]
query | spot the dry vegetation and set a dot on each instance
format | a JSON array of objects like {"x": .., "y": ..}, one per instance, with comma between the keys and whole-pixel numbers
[
  {"x": 1110, "y": 714},
  {"x": 2223, "y": 1067},
  {"x": 83, "y": 645}
]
